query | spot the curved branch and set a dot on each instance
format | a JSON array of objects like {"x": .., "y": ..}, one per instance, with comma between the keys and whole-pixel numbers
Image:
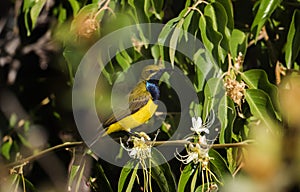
[{"x": 42, "y": 153}]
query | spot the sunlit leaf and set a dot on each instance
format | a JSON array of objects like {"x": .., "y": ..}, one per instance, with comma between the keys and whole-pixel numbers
[
  {"x": 213, "y": 94},
  {"x": 218, "y": 16},
  {"x": 211, "y": 38},
  {"x": 75, "y": 6},
  {"x": 227, "y": 4},
  {"x": 164, "y": 34},
  {"x": 174, "y": 39},
  {"x": 62, "y": 15},
  {"x": 5, "y": 149},
  {"x": 27, "y": 4},
  {"x": 155, "y": 52},
  {"x": 293, "y": 40},
  {"x": 123, "y": 62},
  {"x": 265, "y": 10},
  {"x": 194, "y": 180},
  {"x": 147, "y": 6},
  {"x": 203, "y": 66},
  {"x": 227, "y": 115},
  {"x": 260, "y": 106},
  {"x": 258, "y": 79},
  {"x": 26, "y": 9},
  {"x": 132, "y": 178},
  {"x": 186, "y": 24},
  {"x": 185, "y": 175},
  {"x": 237, "y": 43},
  {"x": 127, "y": 169},
  {"x": 36, "y": 10}
]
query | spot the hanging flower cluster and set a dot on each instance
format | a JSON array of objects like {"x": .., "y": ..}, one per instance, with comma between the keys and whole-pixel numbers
[
  {"x": 197, "y": 151},
  {"x": 141, "y": 149},
  {"x": 235, "y": 90}
]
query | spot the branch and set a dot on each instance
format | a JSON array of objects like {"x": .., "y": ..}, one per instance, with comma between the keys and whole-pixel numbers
[
  {"x": 215, "y": 146},
  {"x": 154, "y": 143},
  {"x": 41, "y": 153}
]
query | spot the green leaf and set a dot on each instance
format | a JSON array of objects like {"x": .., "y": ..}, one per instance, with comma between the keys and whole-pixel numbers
[
  {"x": 174, "y": 39},
  {"x": 213, "y": 93},
  {"x": 203, "y": 66},
  {"x": 227, "y": 4},
  {"x": 80, "y": 177},
  {"x": 13, "y": 120},
  {"x": 166, "y": 31},
  {"x": 194, "y": 180},
  {"x": 26, "y": 9},
  {"x": 265, "y": 10},
  {"x": 186, "y": 24},
  {"x": 29, "y": 186},
  {"x": 24, "y": 140},
  {"x": 237, "y": 43},
  {"x": 232, "y": 154},
  {"x": 147, "y": 5},
  {"x": 185, "y": 175},
  {"x": 161, "y": 172},
  {"x": 75, "y": 6},
  {"x": 132, "y": 178},
  {"x": 211, "y": 39},
  {"x": 127, "y": 169},
  {"x": 73, "y": 173},
  {"x": 155, "y": 52},
  {"x": 227, "y": 115},
  {"x": 27, "y": 4},
  {"x": 219, "y": 19},
  {"x": 62, "y": 15},
  {"x": 5, "y": 149},
  {"x": 102, "y": 179},
  {"x": 260, "y": 106},
  {"x": 157, "y": 8},
  {"x": 35, "y": 11},
  {"x": 293, "y": 40},
  {"x": 123, "y": 62},
  {"x": 219, "y": 167},
  {"x": 258, "y": 79}
]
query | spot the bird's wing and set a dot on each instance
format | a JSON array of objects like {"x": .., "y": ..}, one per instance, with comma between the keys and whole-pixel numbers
[
  {"x": 115, "y": 117},
  {"x": 137, "y": 99}
]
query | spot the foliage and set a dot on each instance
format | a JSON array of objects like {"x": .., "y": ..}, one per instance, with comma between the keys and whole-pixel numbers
[{"x": 254, "y": 44}]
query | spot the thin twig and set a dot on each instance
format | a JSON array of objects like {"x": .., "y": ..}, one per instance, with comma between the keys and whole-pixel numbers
[
  {"x": 153, "y": 143},
  {"x": 42, "y": 153},
  {"x": 215, "y": 146}
]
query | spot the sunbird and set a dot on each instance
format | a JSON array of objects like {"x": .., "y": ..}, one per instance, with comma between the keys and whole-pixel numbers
[{"x": 142, "y": 104}]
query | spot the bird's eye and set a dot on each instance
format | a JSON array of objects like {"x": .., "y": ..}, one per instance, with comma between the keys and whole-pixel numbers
[{"x": 151, "y": 71}]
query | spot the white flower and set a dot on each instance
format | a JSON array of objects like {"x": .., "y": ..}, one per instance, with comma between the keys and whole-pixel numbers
[
  {"x": 141, "y": 148},
  {"x": 195, "y": 154},
  {"x": 198, "y": 127}
]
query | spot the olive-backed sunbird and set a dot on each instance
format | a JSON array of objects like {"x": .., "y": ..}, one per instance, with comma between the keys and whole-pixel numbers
[{"x": 142, "y": 104}]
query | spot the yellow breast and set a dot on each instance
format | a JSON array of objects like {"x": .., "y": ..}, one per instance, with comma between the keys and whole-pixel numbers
[{"x": 134, "y": 120}]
